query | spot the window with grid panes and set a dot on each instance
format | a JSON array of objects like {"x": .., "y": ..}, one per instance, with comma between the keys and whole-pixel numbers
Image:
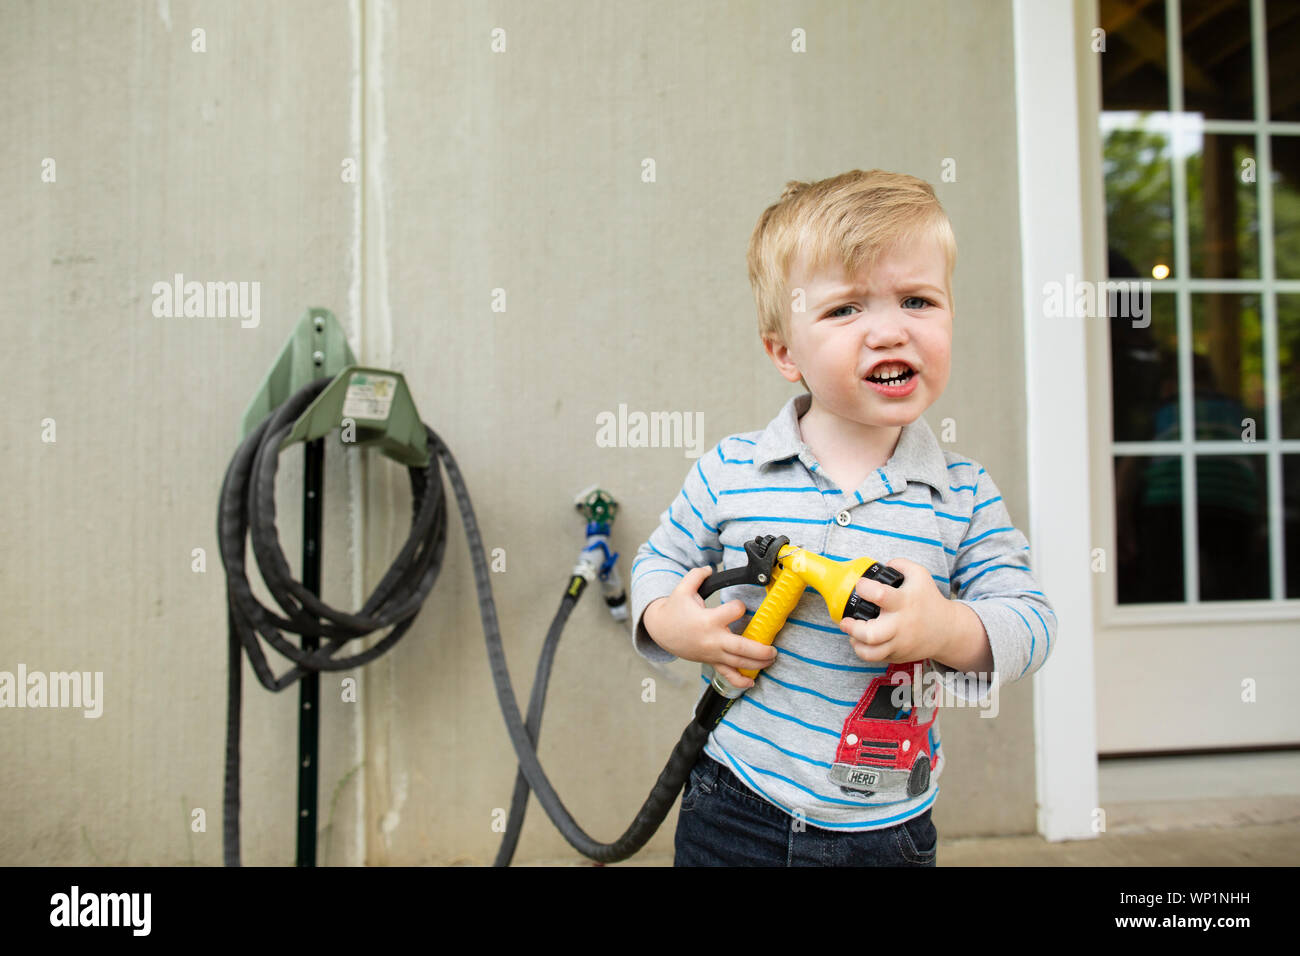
[{"x": 1200, "y": 127}]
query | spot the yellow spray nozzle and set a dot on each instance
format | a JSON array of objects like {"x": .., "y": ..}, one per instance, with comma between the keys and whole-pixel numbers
[{"x": 796, "y": 569}]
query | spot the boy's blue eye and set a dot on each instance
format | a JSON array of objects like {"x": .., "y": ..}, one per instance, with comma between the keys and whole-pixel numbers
[{"x": 910, "y": 298}]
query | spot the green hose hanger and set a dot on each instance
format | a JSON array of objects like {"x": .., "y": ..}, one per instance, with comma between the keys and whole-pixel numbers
[
  {"x": 317, "y": 348},
  {"x": 369, "y": 406}
]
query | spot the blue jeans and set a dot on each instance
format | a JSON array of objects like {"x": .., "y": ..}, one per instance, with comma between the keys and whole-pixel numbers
[{"x": 723, "y": 823}]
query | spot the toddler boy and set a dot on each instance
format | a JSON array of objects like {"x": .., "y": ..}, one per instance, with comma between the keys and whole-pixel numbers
[{"x": 827, "y": 759}]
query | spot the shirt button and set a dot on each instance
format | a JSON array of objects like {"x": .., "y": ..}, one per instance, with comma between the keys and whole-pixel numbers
[{"x": 842, "y": 519}]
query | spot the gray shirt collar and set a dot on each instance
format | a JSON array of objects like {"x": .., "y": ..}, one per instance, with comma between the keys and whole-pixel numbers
[{"x": 917, "y": 457}]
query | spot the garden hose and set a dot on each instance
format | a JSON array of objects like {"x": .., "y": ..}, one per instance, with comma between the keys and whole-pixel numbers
[
  {"x": 247, "y": 508},
  {"x": 536, "y": 702},
  {"x": 247, "y": 504},
  {"x": 671, "y": 779}
]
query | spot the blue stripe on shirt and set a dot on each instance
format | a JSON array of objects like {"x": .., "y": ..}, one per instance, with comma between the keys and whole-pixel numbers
[
  {"x": 733, "y": 461},
  {"x": 790, "y": 717},
  {"x": 680, "y": 527},
  {"x": 700, "y": 472},
  {"x": 698, "y": 515},
  {"x": 827, "y": 664},
  {"x": 885, "y": 821}
]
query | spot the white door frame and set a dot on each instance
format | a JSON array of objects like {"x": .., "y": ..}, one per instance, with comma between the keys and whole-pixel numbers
[{"x": 1052, "y": 249}]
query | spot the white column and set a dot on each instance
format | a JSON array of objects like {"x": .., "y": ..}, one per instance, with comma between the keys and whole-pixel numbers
[{"x": 1051, "y": 235}]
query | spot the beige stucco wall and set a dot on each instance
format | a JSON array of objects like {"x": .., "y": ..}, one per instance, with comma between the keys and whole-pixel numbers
[{"x": 520, "y": 170}]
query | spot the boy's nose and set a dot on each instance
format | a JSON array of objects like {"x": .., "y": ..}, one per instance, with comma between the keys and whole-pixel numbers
[{"x": 885, "y": 329}]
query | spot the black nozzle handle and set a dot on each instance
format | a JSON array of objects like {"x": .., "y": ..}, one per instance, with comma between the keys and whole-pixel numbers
[
  {"x": 724, "y": 579},
  {"x": 864, "y": 610},
  {"x": 762, "y": 551}
]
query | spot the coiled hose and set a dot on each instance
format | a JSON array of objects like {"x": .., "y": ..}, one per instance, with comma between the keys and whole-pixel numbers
[
  {"x": 246, "y": 509},
  {"x": 248, "y": 503}
]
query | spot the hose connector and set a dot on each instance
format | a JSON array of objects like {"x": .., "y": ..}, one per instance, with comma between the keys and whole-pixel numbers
[{"x": 597, "y": 560}]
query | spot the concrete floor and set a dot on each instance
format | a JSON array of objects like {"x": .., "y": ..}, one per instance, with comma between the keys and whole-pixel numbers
[
  {"x": 1224, "y": 810},
  {"x": 1230, "y": 810}
]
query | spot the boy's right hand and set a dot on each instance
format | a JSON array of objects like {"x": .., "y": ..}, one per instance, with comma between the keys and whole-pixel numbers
[{"x": 685, "y": 627}]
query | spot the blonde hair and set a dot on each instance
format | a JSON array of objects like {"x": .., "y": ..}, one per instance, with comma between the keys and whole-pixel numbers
[{"x": 849, "y": 219}]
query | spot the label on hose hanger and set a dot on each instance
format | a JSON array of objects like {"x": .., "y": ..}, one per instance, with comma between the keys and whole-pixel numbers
[{"x": 369, "y": 396}]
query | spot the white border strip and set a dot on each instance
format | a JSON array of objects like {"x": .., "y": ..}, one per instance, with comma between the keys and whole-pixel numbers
[{"x": 1051, "y": 238}]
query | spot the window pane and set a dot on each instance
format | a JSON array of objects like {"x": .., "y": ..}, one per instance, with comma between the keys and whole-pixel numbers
[
  {"x": 1288, "y": 363},
  {"x": 1144, "y": 375},
  {"x": 1149, "y": 528},
  {"x": 1232, "y": 525},
  {"x": 1217, "y": 77},
  {"x": 1139, "y": 201},
  {"x": 1227, "y": 366},
  {"x": 1285, "y": 180},
  {"x": 1283, "y": 18},
  {"x": 1222, "y": 211},
  {"x": 1133, "y": 68},
  {"x": 1291, "y": 522}
]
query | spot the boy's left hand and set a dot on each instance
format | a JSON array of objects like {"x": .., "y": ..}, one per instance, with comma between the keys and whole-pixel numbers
[{"x": 914, "y": 622}]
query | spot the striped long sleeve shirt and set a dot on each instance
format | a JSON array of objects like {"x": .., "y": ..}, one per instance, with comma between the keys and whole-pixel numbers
[{"x": 786, "y": 737}]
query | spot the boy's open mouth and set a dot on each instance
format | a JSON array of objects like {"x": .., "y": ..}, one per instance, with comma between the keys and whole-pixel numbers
[{"x": 890, "y": 373}]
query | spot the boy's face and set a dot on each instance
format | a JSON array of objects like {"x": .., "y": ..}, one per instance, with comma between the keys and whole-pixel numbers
[{"x": 899, "y": 310}]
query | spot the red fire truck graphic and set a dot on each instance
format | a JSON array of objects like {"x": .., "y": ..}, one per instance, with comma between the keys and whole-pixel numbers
[{"x": 885, "y": 744}]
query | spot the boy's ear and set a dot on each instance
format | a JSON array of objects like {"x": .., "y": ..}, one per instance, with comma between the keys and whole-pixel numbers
[{"x": 781, "y": 358}]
